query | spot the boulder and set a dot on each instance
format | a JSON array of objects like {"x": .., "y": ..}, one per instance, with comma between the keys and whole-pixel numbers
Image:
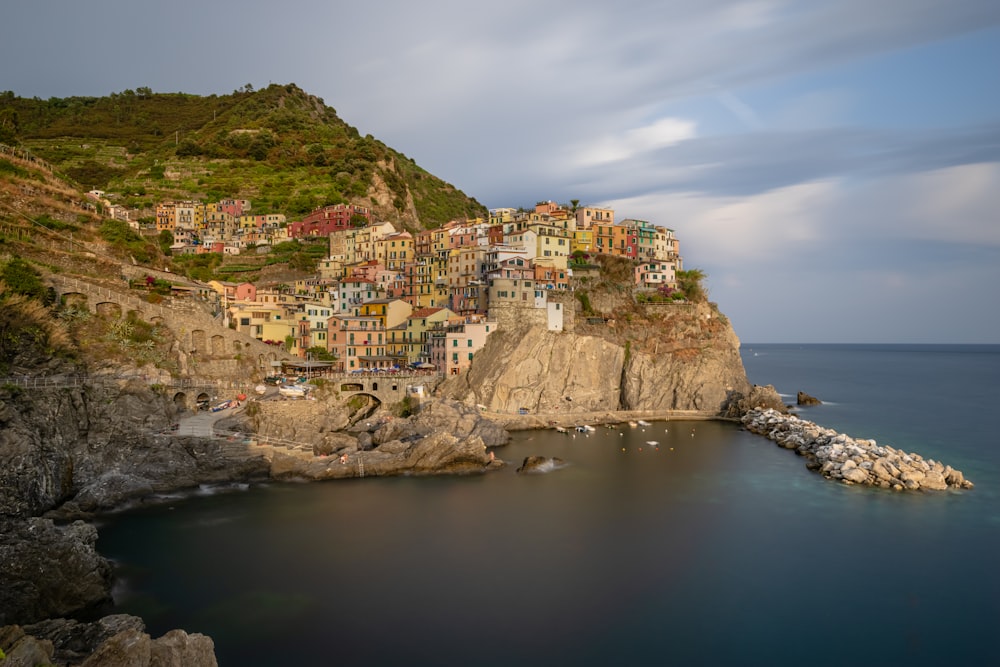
[
  {"x": 540, "y": 464},
  {"x": 22, "y": 650},
  {"x": 934, "y": 481},
  {"x": 74, "y": 641},
  {"x": 443, "y": 415},
  {"x": 802, "y": 398},
  {"x": 856, "y": 475}
]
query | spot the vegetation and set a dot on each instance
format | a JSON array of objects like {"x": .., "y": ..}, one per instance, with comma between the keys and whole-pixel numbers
[
  {"x": 405, "y": 407},
  {"x": 279, "y": 147},
  {"x": 21, "y": 278},
  {"x": 127, "y": 241},
  {"x": 29, "y": 332},
  {"x": 689, "y": 282},
  {"x": 320, "y": 353}
]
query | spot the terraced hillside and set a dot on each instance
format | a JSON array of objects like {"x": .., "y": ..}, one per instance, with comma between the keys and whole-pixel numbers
[{"x": 279, "y": 147}]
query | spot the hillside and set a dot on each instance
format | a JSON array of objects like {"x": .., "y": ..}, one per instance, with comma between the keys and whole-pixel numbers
[{"x": 279, "y": 147}]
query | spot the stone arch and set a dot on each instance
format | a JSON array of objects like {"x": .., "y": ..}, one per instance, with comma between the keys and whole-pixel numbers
[
  {"x": 76, "y": 300},
  {"x": 374, "y": 386},
  {"x": 203, "y": 399},
  {"x": 109, "y": 309},
  {"x": 236, "y": 347},
  {"x": 157, "y": 320},
  {"x": 180, "y": 400},
  {"x": 218, "y": 345},
  {"x": 198, "y": 343}
]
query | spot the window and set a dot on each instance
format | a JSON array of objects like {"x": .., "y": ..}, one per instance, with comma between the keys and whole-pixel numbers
[
  {"x": 470, "y": 356},
  {"x": 470, "y": 342}
]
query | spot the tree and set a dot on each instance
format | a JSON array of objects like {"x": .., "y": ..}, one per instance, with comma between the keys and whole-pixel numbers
[
  {"x": 690, "y": 282},
  {"x": 8, "y": 125},
  {"x": 320, "y": 353},
  {"x": 166, "y": 239}
]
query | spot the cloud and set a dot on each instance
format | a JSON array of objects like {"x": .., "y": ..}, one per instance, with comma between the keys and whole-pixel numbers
[
  {"x": 901, "y": 259},
  {"x": 659, "y": 134}
]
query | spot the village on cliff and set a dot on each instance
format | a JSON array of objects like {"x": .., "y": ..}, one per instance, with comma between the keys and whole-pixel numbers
[{"x": 386, "y": 299}]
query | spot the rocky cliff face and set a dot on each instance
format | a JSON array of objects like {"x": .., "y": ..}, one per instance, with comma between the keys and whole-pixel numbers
[
  {"x": 92, "y": 448},
  {"x": 659, "y": 358}
]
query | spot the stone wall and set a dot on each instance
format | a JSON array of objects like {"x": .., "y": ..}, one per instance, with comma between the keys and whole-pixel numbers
[{"x": 203, "y": 346}]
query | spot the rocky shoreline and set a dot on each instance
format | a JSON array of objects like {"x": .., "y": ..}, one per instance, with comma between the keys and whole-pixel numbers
[{"x": 850, "y": 460}]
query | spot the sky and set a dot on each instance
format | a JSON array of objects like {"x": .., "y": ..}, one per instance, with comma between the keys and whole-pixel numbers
[{"x": 833, "y": 166}]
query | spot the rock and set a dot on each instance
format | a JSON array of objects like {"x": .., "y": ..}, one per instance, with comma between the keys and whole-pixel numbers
[
  {"x": 934, "y": 480},
  {"x": 540, "y": 464},
  {"x": 112, "y": 490},
  {"x": 838, "y": 456},
  {"x": 677, "y": 358},
  {"x": 856, "y": 475},
  {"x": 74, "y": 641},
  {"x": 180, "y": 649},
  {"x": 50, "y": 571},
  {"x": 23, "y": 650},
  {"x": 802, "y": 398},
  {"x": 133, "y": 648},
  {"x": 437, "y": 415},
  {"x": 433, "y": 454},
  {"x": 335, "y": 442}
]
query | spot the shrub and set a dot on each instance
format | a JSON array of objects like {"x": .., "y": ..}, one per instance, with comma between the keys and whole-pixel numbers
[{"x": 21, "y": 278}]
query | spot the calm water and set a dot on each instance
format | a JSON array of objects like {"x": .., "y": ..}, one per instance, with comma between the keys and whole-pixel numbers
[{"x": 711, "y": 547}]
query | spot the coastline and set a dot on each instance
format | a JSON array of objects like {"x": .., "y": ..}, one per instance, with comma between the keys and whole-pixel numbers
[{"x": 518, "y": 422}]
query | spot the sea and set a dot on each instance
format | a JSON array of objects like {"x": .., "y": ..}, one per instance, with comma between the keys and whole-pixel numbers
[{"x": 673, "y": 543}]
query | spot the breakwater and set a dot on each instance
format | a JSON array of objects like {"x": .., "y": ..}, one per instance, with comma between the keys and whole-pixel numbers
[{"x": 855, "y": 461}]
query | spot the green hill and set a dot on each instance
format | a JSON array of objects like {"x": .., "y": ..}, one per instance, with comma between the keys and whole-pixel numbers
[{"x": 279, "y": 147}]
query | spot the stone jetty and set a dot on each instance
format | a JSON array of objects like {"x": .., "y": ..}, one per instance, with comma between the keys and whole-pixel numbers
[{"x": 853, "y": 461}]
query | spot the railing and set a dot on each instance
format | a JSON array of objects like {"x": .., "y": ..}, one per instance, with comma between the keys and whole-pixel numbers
[{"x": 76, "y": 381}]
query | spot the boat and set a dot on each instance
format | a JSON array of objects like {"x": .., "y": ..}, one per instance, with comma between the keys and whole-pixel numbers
[
  {"x": 589, "y": 428},
  {"x": 224, "y": 405},
  {"x": 653, "y": 442},
  {"x": 633, "y": 424},
  {"x": 293, "y": 390},
  {"x": 261, "y": 389},
  {"x": 642, "y": 422},
  {"x": 560, "y": 429}
]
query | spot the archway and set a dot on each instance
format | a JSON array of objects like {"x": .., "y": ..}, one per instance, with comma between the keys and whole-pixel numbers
[
  {"x": 109, "y": 309},
  {"x": 361, "y": 406},
  {"x": 75, "y": 300},
  {"x": 180, "y": 400},
  {"x": 198, "y": 341},
  {"x": 218, "y": 346}
]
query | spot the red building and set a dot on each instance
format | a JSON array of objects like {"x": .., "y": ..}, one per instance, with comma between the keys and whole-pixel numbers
[{"x": 326, "y": 220}]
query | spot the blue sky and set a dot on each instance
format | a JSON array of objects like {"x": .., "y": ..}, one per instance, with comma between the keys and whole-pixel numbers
[{"x": 834, "y": 166}]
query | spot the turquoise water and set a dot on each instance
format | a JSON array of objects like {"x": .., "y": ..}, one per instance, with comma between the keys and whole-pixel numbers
[{"x": 711, "y": 547}]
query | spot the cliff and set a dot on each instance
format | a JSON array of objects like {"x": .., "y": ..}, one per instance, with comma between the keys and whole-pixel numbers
[{"x": 654, "y": 358}]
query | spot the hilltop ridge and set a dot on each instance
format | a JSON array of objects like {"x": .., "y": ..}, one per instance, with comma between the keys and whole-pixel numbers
[{"x": 279, "y": 146}]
